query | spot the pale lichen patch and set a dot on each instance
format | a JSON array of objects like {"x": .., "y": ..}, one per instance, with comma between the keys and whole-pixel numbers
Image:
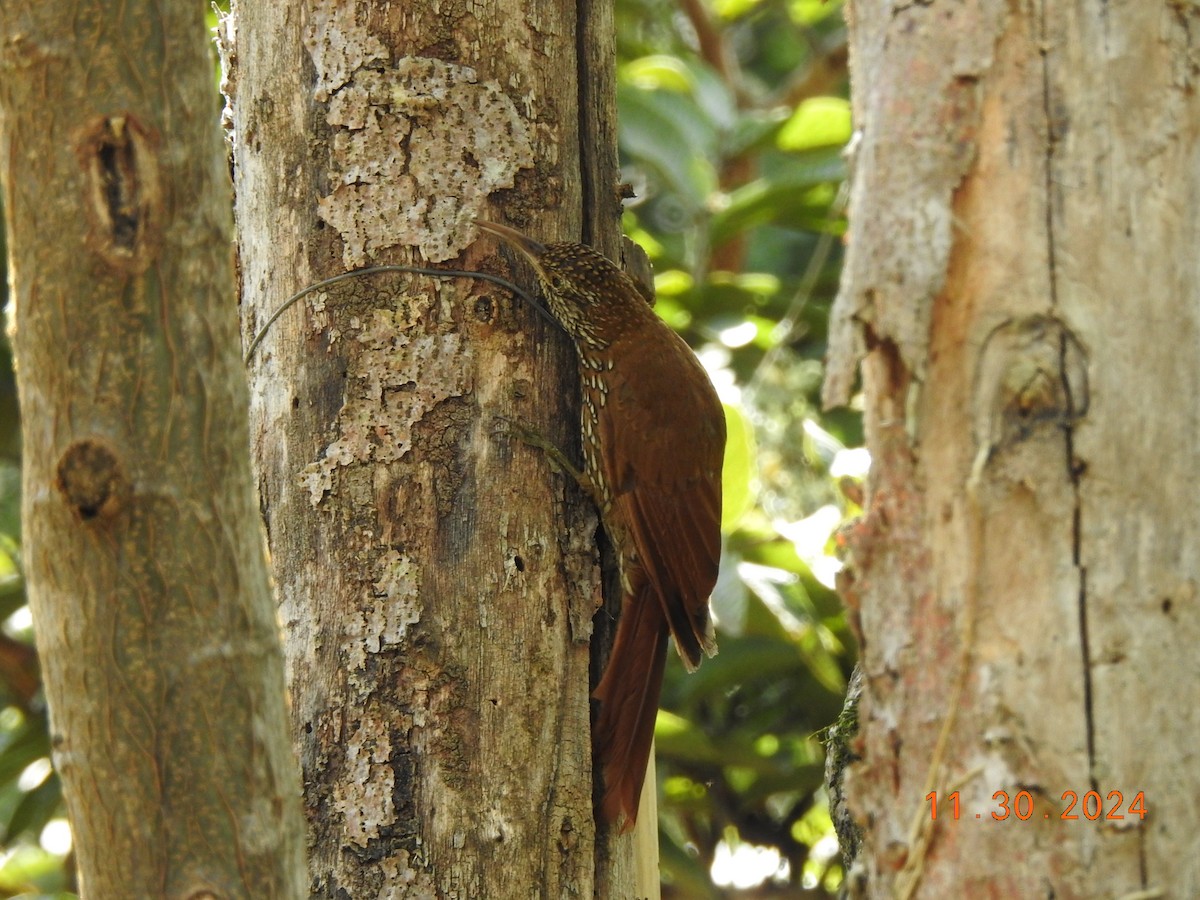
[
  {"x": 420, "y": 128},
  {"x": 398, "y": 378},
  {"x": 386, "y": 615},
  {"x": 401, "y": 872},
  {"x": 364, "y": 795},
  {"x": 339, "y": 47}
]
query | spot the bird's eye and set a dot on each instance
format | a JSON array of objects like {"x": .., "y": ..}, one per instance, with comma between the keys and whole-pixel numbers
[{"x": 558, "y": 284}]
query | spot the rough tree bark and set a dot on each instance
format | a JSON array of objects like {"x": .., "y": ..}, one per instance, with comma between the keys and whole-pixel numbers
[
  {"x": 437, "y": 579},
  {"x": 1023, "y": 287},
  {"x": 144, "y": 556}
]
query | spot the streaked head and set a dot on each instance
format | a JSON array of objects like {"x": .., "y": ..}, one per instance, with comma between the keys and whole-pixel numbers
[{"x": 586, "y": 292}]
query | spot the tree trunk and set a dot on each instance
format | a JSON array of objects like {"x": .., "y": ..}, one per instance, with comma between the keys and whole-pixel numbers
[
  {"x": 437, "y": 578},
  {"x": 144, "y": 557},
  {"x": 1023, "y": 282}
]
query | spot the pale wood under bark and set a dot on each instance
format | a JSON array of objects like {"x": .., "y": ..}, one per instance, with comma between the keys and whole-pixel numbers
[
  {"x": 144, "y": 555},
  {"x": 437, "y": 579},
  {"x": 1023, "y": 281}
]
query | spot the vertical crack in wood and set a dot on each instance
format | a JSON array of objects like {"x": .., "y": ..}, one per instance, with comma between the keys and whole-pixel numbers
[
  {"x": 1073, "y": 469},
  {"x": 587, "y": 129}
]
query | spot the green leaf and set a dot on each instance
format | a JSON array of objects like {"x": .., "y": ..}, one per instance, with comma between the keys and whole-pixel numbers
[
  {"x": 740, "y": 470},
  {"x": 658, "y": 72},
  {"x": 799, "y": 199},
  {"x": 12, "y": 594},
  {"x": 817, "y": 122},
  {"x": 754, "y": 130},
  {"x": 27, "y": 742},
  {"x": 810, "y": 12},
  {"x": 714, "y": 97},
  {"x": 743, "y": 661},
  {"x": 28, "y": 869},
  {"x": 671, "y": 136},
  {"x": 676, "y": 737},
  {"x": 672, "y": 283},
  {"x": 10, "y": 499},
  {"x": 732, "y": 9},
  {"x": 36, "y": 808}
]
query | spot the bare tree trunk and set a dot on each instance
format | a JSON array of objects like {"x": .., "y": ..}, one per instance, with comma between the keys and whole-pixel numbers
[
  {"x": 437, "y": 578},
  {"x": 1024, "y": 283},
  {"x": 144, "y": 556}
]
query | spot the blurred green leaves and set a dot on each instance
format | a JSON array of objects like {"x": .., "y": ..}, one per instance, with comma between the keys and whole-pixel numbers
[{"x": 733, "y": 115}]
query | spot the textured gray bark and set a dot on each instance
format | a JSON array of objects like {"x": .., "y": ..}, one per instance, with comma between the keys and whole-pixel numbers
[
  {"x": 437, "y": 579},
  {"x": 1024, "y": 292}
]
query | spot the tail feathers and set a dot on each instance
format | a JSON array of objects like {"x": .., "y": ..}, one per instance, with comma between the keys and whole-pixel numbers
[{"x": 628, "y": 695}]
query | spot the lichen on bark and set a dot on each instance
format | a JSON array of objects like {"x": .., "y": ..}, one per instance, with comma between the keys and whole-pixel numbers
[{"x": 403, "y": 175}]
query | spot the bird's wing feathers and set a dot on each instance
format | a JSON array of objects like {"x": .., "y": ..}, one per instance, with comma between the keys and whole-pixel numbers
[{"x": 668, "y": 496}]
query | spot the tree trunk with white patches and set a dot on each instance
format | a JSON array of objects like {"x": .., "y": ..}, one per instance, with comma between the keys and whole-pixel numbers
[
  {"x": 1023, "y": 290},
  {"x": 437, "y": 578}
]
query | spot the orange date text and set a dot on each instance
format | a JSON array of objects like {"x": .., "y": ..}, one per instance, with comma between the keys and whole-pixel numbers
[{"x": 1091, "y": 806}]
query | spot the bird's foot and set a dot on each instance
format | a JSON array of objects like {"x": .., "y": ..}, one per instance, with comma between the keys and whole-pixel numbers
[{"x": 554, "y": 455}]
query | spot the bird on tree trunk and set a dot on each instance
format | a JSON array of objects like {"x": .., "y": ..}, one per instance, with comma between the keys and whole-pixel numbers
[{"x": 653, "y": 436}]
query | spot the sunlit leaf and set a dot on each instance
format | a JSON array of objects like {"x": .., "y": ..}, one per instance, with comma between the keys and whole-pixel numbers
[
  {"x": 28, "y": 869},
  {"x": 672, "y": 283},
  {"x": 659, "y": 72},
  {"x": 732, "y": 9},
  {"x": 817, "y": 122},
  {"x": 810, "y": 12},
  {"x": 641, "y": 237},
  {"x": 740, "y": 469}
]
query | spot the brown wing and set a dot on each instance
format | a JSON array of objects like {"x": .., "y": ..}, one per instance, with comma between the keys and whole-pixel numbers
[
  {"x": 664, "y": 471},
  {"x": 662, "y": 438}
]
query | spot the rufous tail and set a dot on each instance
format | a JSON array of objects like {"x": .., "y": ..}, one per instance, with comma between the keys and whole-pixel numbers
[{"x": 628, "y": 695}]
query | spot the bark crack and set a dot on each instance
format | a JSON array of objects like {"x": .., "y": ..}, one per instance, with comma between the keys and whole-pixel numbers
[
  {"x": 1074, "y": 469},
  {"x": 587, "y": 137}
]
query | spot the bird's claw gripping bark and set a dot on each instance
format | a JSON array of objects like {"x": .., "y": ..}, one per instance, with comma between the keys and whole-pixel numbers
[{"x": 554, "y": 455}]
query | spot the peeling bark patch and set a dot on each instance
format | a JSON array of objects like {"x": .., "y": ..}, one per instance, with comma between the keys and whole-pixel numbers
[
  {"x": 91, "y": 479},
  {"x": 122, "y": 193},
  {"x": 397, "y": 378},
  {"x": 400, "y": 872},
  {"x": 418, "y": 145},
  {"x": 384, "y": 620},
  {"x": 916, "y": 143},
  {"x": 364, "y": 796}
]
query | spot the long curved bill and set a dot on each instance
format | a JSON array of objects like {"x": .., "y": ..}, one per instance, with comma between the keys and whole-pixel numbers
[
  {"x": 528, "y": 247},
  {"x": 532, "y": 251}
]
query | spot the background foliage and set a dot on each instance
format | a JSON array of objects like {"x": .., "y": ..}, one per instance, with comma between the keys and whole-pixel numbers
[
  {"x": 732, "y": 121},
  {"x": 733, "y": 116}
]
